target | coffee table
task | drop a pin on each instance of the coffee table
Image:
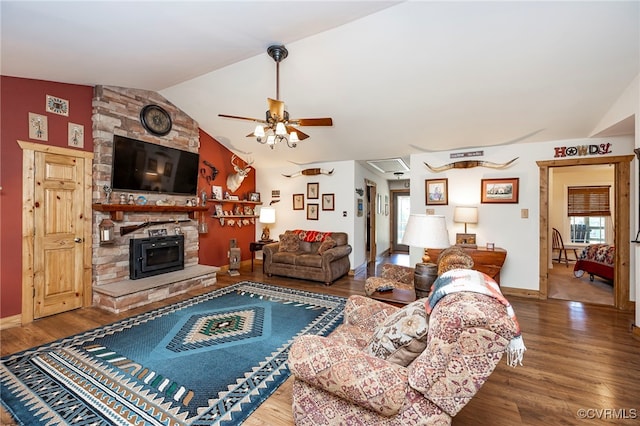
(397, 295)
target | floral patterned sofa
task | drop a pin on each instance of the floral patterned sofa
(400, 366)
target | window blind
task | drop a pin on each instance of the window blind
(589, 201)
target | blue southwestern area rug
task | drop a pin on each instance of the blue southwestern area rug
(210, 360)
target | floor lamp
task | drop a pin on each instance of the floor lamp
(426, 231)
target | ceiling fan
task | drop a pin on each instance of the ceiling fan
(277, 126)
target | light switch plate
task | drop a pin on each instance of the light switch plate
(524, 213)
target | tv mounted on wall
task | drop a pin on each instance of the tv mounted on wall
(148, 167)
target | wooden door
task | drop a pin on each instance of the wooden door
(58, 234)
(372, 250)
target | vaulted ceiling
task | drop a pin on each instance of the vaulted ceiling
(396, 77)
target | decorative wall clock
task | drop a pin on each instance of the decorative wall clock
(57, 105)
(155, 119)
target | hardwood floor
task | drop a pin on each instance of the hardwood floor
(564, 285)
(580, 357)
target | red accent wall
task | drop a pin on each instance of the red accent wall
(19, 97)
(215, 244)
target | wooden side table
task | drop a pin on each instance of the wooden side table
(257, 246)
(488, 261)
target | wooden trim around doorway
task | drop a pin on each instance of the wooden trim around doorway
(622, 176)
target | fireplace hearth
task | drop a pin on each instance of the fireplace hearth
(155, 256)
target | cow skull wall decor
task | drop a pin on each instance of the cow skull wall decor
(467, 164)
(234, 180)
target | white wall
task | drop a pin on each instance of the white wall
(346, 177)
(626, 105)
(502, 223)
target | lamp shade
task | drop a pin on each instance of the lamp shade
(426, 231)
(465, 214)
(267, 215)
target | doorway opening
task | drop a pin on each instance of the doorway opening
(400, 210)
(622, 178)
(370, 222)
(572, 191)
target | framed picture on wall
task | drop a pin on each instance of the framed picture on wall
(499, 190)
(313, 190)
(216, 192)
(328, 202)
(312, 211)
(437, 192)
(298, 201)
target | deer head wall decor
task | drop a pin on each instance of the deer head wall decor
(234, 180)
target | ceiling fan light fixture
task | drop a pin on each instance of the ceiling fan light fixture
(280, 129)
(277, 124)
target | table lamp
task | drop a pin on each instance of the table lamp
(267, 216)
(426, 231)
(466, 215)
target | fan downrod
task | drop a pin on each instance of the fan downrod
(277, 52)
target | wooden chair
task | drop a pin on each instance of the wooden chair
(558, 244)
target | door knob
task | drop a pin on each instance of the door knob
(77, 239)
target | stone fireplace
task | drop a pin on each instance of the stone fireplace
(116, 110)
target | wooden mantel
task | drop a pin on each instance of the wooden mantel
(117, 210)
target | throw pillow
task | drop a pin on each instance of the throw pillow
(327, 244)
(289, 242)
(453, 258)
(402, 336)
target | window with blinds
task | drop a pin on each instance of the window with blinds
(588, 201)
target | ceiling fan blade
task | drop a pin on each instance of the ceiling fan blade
(242, 118)
(301, 135)
(327, 121)
(276, 107)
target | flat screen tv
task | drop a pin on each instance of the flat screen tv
(147, 167)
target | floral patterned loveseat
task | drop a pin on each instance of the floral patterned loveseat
(399, 366)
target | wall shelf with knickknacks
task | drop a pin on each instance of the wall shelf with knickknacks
(117, 211)
(238, 213)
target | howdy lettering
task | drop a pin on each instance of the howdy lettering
(582, 150)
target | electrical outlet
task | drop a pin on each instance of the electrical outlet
(524, 213)
(431, 211)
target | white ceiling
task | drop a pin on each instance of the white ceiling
(396, 77)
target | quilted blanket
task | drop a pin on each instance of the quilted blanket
(596, 259)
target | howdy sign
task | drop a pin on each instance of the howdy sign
(581, 150)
